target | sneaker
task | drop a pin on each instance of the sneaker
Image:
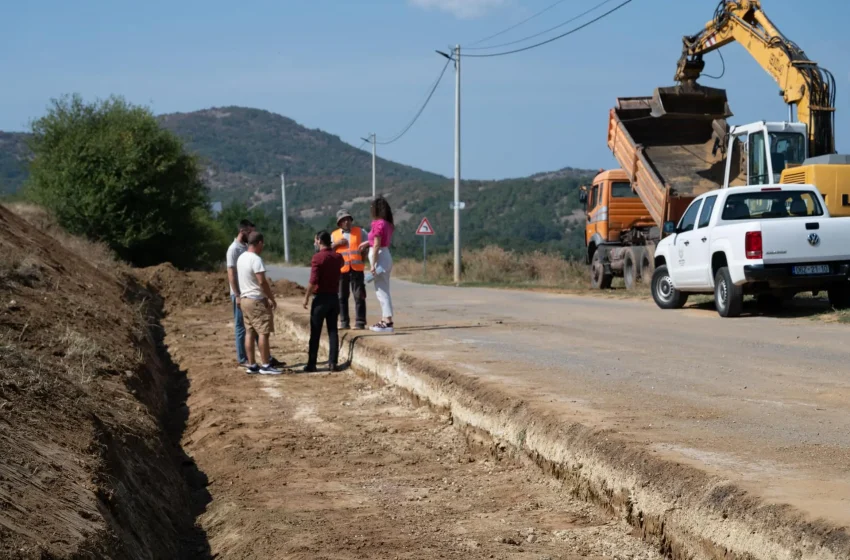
(268, 369)
(344, 327)
(252, 369)
(310, 369)
(274, 362)
(382, 327)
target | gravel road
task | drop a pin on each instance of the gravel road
(760, 400)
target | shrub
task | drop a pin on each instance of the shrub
(108, 172)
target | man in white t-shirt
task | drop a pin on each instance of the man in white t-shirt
(258, 305)
(239, 246)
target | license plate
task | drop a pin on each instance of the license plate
(809, 270)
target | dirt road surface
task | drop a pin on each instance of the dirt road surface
(759, 400)
(337, 466)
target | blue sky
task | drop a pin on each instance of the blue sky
(352, 67)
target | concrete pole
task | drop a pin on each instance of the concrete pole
(285, 225)
(457, 167)
(374, 154)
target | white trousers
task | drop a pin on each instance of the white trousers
(382, 281)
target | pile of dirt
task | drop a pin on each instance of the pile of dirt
(192, 289)
(85, 467)
(185, 289)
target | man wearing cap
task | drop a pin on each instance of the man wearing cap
(346, 241)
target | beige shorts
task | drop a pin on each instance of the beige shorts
(258, 316)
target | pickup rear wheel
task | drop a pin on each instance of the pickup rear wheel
(839, 297)
(599, 279)
(728, 298)
(665, 295)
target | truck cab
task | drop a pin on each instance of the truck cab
(612, 208)
(766, 150)
(777, 153)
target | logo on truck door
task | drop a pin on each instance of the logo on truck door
(814, 239)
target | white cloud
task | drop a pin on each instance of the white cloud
(464, 9)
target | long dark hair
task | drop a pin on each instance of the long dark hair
(381, 210)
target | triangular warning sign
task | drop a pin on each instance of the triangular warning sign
(425, 228)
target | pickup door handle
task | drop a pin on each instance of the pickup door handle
(687, 242)
(704, 239)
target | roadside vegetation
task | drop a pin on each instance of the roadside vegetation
(496, 267)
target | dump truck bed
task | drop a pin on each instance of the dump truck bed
(668, 158)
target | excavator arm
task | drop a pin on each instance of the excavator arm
(803, 83)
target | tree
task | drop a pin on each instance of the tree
(109, 172)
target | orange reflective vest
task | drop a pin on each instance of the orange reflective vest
(351, 252)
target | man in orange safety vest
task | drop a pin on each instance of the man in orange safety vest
(346, 241)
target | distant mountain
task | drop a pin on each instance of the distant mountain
(244, 151)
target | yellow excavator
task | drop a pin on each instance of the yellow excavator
(771, 152)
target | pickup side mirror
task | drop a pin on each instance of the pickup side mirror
(669, 227)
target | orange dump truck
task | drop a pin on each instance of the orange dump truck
(666, 146)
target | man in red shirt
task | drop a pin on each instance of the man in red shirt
(324, 283)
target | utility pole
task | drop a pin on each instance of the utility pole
(455, 56)
(457, 166)
(373, 139)
(285, 225)
(374, 155)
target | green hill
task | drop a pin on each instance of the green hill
(244, 151)
(13, 159)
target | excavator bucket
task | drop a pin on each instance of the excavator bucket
(690, 102)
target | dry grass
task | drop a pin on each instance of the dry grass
(493, 266)
(81, 354)
(97, 254)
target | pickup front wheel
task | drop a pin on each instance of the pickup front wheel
(663, 292)
(728, 298)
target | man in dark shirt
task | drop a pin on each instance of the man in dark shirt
(324, 282)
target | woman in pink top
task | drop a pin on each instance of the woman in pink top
(380, 259)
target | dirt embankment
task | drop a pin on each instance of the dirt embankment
(192, 289)
(86, 466)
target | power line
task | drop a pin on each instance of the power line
(560, 25)
(570, 32)
(511, 28)
(421, 109)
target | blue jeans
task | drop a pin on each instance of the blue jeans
(239, 324)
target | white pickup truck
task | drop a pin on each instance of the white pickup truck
(772, 241)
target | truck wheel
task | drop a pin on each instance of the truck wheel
(646, 268)
(728, 298)
(599, 279)
(839, 297)
(663, 292)
(631, 272)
